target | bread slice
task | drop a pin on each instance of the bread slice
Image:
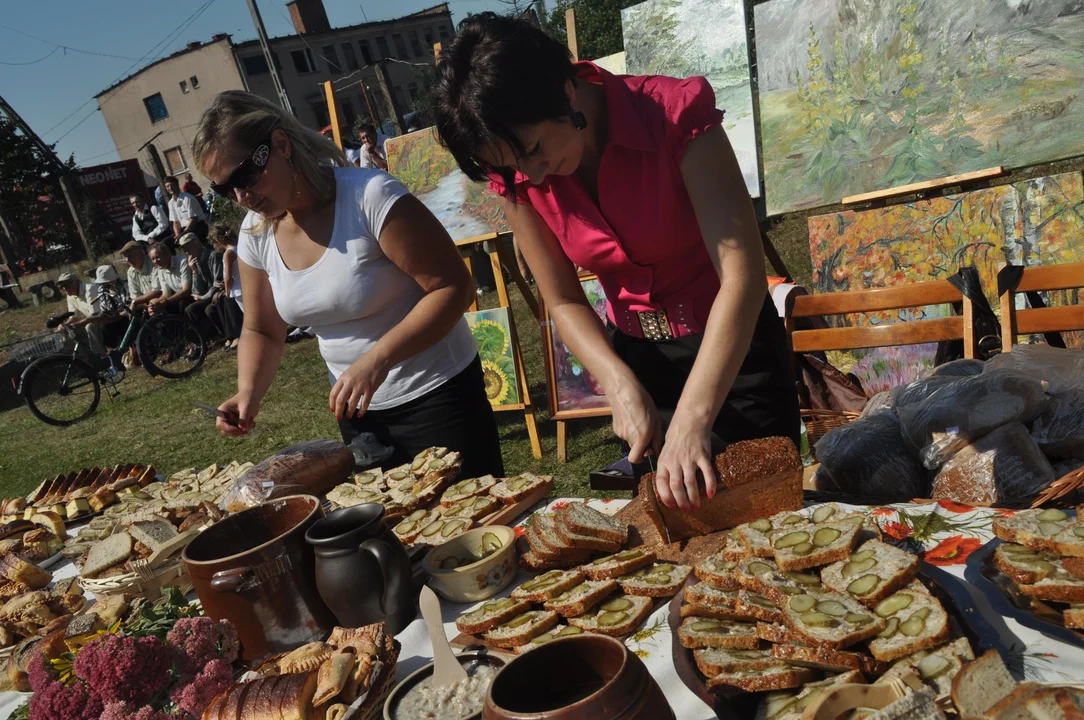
(581, 598)
(534, 561)
(474, 508)
(918, 705)
(777, 677)
(820, 658)
(813, 545)
(542, 537)
(718, 571)
(619, 564)
(521, 629)
(574, 539)
(657, 580)
(398, 476)
(734, 549)
(441, 530)
(936, 667)
(410, 527)
(1014, 705)
(713, 661)
(755, 535)
(617, 616)
(830, 620)
(871, 573)
(755, 606)
(704, 594)
(914, 621)
(582, 519)
(1054, 703)
(557, 631)
(548, 585)
(762, 575)
(1023, 565)
(348, 495)
(1072, 565)
(511, 490)
(705, 611)
(1060, 586)
(106, 554)
(491, 614)
(371, 479)
(467, 489)
(1073, 616)
(1049, 530)
(791, 704)
(702, 632)
(778, 633)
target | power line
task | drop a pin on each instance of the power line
(73, 127)
(64, 47)
(33, 62)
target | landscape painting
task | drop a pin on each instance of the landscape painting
(466, 209)
(493, 334)
(614, 63)
(863, 95)
(572, 389)
(1032, 222)
(682, 38)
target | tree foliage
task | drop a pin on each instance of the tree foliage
(598, 25)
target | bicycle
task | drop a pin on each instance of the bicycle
(63, 388)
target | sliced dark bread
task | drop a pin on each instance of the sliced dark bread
(556, 632)
(833, 661)
(617, 616)
(778, 677)
(657, 580)
(702, 632)
(830, 620)
(937, 667)
(713, 661)
(579, 599)
(548, 585)
(582, 519)
(756, 535)
(697, 610)
(621, 563)
(815, 544)
(1024, 565)
(1060, 586)
(704, 594)
(872, 572)
(914, 621)
(1051, 530)
(718, 571)
(514, 489)
(490, 614)
(570, 538)
(522, 628)
(534, 561)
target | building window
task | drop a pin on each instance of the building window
(254, 65)
(184, 87)
(415, 44)
(332, 59)
(382, 47)
(350, 57)
(156, 107)
(304, 62)
(175, 164)
(413, 87)
(429, 37)
(322, 119)
(443, 32)
(365, 54)
(400, 97)
(400, 46)
(348, 112)
(194, 81)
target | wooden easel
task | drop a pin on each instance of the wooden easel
(500, 260)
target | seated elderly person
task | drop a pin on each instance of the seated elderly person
(141, 287)
(205, 265)
(173, 279)
(84, 301)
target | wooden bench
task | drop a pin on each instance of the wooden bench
(1031, 321)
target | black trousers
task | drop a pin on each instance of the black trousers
(199, 313)
(456, 415)
(763, 401)
(229, 317)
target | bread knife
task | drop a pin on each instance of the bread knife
(650, 456)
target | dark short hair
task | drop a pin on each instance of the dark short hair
(497, 74)
(366, 128)
(170, 179)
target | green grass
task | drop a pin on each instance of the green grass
(154, 421)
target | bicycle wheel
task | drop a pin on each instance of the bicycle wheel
(171, 347)
(61, 390)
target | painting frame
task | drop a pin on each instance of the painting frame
(549, 336)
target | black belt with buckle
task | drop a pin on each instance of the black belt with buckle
(655, 325)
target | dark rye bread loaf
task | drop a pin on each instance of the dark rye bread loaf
(756, 478)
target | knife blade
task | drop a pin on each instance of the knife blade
(649, 455)
(230, 418)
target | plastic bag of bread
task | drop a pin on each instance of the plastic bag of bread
(1059, 428)
(310, 468)
(915, 392)
(877, 403)
(1001, 466)
(964, 367)
(870, 458)
(964, 410)
(1060, 368)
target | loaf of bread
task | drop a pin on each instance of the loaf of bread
(1001, 466)
(1059, 429)
(311, 467)
(755, 478)
(869, 458)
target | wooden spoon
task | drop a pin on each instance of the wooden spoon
(842, 699)
(446, 667)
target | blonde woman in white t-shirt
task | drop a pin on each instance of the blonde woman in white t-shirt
(351, 254)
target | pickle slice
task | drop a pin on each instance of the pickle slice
(923, 612)
(823, 513)
(864, 585)
(706, 626)
(498, 605)
(862, 555)
(932, 666)
(568, 630)
(398, 475)
(616, 605)
(793, 520)
(449, 563)
(609, 619)
(469, 487)
(826, 536)
(433, 528)
(1043, 566)
(405, 527)
(539, 583)
(852, 568)
(802, 548)
(759, 568)
(791, 539)
(563, 597)
(658, 580)
(602, 560)
(491, 543)
(890, 629)
(519, 620)
(452, 527)
(893, 604)
(802, 578)
(788, 590)
(436, 464)
(761, 601)
(417, 515)
(913, 626)
(857, 618)
(801, 603)
(1052, 515)
(663, 568)
(637, 573)
(543, 638)
(1049, 528)
(1079, 531)
(516, 484)
(418, 462)
(818, 619)
(762, 525)
(628, 555)
(1013, 549)
(832, 607)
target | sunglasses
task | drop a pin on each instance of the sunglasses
(247, 173)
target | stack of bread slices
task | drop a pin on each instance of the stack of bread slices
(1044, 554)
(800, 601)
(571, 536)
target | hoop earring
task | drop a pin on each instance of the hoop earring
(579, 121)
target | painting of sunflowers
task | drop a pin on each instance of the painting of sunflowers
(494, 337)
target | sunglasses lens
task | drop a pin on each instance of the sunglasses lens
(246, 176)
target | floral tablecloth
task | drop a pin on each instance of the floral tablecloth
(944, 534)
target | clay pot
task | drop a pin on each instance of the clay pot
(580, 677)
(362, 569)
(255, 570)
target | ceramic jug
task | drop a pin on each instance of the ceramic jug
(362, 569)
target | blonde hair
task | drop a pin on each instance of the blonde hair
(239, 119)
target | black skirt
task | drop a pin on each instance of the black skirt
(763, 401)
(456, 415)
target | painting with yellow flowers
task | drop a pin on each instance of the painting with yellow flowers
(1033, 222)
(493, 334)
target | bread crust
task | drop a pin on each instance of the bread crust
(745, 637)
(611, 567)
(964, 676)
(758, 659)
(764, 680)
(538, 625)
(713, 570)
(830, 660)
(575, 608)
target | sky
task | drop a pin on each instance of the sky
(56, 95)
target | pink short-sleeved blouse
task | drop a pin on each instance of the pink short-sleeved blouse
(642, 238)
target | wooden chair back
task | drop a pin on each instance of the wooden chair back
(956, 327)
(1041, 320)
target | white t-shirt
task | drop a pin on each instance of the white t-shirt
(363, 158)
(354, 294)
(173, 280)
(185, 207)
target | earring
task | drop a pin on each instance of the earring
(578, 120)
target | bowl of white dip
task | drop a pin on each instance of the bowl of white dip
(416, 699)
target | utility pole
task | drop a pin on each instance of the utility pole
(385, 89)
(261, 33)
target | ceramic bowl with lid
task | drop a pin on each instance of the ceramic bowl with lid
(475, 565)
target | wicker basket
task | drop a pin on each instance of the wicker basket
(819, 422)
(373, 708)
(1062, 491)
(147, 584)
